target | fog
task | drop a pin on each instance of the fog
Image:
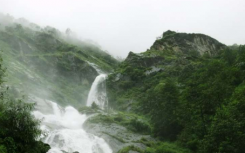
(120, 26)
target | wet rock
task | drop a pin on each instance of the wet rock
(116, 135)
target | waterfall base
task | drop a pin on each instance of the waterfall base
(63, 131)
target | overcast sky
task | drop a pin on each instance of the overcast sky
(120, 26)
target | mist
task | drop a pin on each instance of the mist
(123, 26)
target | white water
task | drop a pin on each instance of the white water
(64, 131)
(99, 71)
(96, 95)
(63, 126)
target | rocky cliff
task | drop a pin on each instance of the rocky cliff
(185, 43)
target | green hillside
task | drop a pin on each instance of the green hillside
(191, 89)
(46, 63)
(186, 94)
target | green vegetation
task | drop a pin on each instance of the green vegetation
(194, 100)
(165, 147)
(128, 148)
(94, 106)
(88, 110)
(49, 64)
(156, 148)
(18, 128)
(188, 90)
(133, 122)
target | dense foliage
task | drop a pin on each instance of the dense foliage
(18, 128)
(195, 100)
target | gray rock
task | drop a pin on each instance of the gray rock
(116, 135)
(185, 42)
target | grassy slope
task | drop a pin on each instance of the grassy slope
(46, 65)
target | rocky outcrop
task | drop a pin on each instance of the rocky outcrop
(117, 136)
(141, 60)
(186, 43)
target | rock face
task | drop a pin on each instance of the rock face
(117, 136)
(173, 43)
(184, 43)
(143, 60)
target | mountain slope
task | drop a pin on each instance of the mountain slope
(190, 87)
(167, 56)
(44, 62)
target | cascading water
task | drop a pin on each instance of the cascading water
(64, 132)
(63, 126)
(96, 94)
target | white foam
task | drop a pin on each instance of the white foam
(65, 132)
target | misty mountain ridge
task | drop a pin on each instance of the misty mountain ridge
(47, 63)
(33, 51)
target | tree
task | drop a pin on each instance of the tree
(227, 132)
(163, 110)
(19, 130)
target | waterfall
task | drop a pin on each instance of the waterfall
(97, 92)
(64, 132)
(62, 127)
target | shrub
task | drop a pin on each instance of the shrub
(19, 130)
(166, 148)
(3, 149)
(130, 148)
(139, 126)
(94, 106)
